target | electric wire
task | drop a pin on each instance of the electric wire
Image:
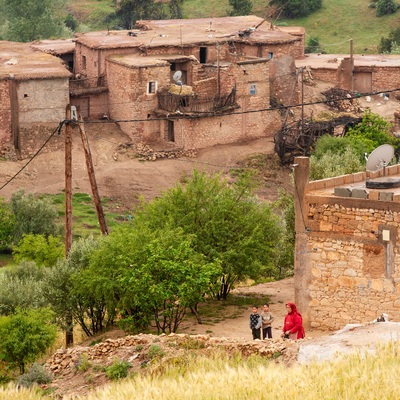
(58, 129)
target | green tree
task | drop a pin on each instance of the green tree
(131, 11)
(174, 275)
(7, 222)
(44, 251)
(387, 45)
(296, 8)
(73, 295)
(25, 336)
(33, 215)
(240, 7)
(175, 9)
(21, 288)
(229, 224)
(30, 20)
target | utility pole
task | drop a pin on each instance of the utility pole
(352, 64)
(69, 333)
(92, 178)
(68, 181)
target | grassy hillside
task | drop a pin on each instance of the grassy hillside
(333, 25)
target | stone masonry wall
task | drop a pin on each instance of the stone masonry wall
(352, 279)
(348, 251)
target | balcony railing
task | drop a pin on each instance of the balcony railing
(194, 104)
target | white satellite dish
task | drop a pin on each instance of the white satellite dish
(380, 157)
(177, 77)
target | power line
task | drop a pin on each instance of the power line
(58, 129)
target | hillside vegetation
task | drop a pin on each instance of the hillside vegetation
(333, 25)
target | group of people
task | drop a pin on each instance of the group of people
(262, 323)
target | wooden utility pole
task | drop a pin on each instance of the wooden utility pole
(69, 333)
(352, 64)
(68, 181)
(92, 178)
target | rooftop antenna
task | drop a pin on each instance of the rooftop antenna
(377, 160)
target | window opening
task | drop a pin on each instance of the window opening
(151, 87)
(203, 55)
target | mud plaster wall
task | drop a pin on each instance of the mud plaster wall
(129, 98)
(5, 118)
(205, 132)
(42, 101)
(355, 275)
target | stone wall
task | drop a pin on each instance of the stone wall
(347, 261)
(5, 119)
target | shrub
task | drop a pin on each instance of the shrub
(36, 374)
(83, 363)
(155, 351)
(44, 251)
(385, 7)
(118, 370)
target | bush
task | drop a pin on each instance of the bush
(83, 363)
(385, 7)
(297, 8)
(36, 374)
(118, 370)
(44, 251)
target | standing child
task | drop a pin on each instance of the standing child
(255, 323)
(267, 319)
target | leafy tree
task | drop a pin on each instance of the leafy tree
(131, 11)
(25, 336)
(71, 294)
(335, 156)
(335, 164)
(33, 215)
(21, 288)
(228, 224)
(386, 7)
(7, 222)
(240, 7)
(175, 9)
(297, 8)
(174, 275)
(44, 251)
(313, 46)
(388, 44)
(30, 20)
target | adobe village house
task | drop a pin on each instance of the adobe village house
(194, 84)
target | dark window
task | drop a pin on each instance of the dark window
(170, 132)
(203, 55)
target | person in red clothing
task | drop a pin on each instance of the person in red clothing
(293, 323)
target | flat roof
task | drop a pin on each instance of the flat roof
(183, 32)
(21, 61)
(55, 47)
(332, 61)
(134, 60)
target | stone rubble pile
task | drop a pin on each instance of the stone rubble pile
(144, 152)
(129, 348)
(343, 100)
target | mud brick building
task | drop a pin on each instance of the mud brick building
(347, 260)
(362, 73)
(34, 91)
(188, 83)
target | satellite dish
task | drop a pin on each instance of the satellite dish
(380, 157)
(177, 77)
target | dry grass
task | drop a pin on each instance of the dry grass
(359, 376)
